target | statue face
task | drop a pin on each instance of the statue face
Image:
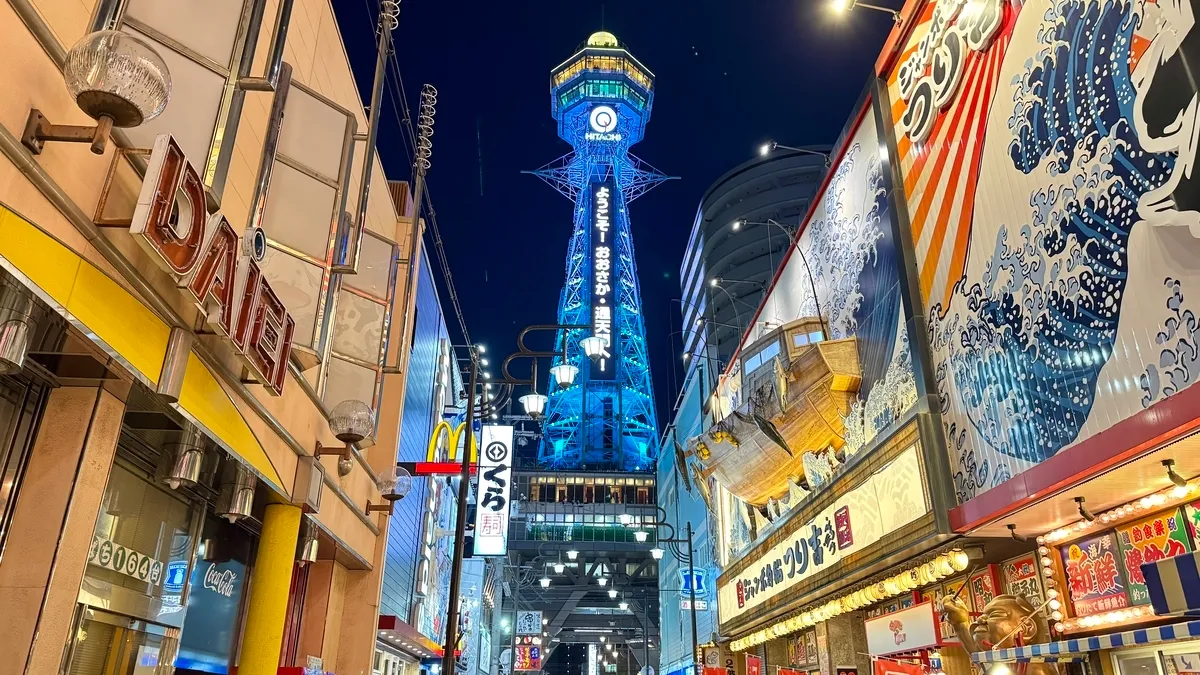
(1001, 619)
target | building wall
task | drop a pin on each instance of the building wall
(683, 506)
(404, 530)
(779, 187)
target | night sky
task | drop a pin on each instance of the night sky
(730, 74)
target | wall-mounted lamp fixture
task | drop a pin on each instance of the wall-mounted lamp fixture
(117, 79)
(237, 491)
(350, 421)
(185, 460)
(307, 547)
(395, 485)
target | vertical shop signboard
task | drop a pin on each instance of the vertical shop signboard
(753, 665)
(1021, 579)
(983, 586)
(797, 652)
(810, 645)
(529, 657)
(529, 623)
(494, 491)
(1158, 537)
(1094, 576)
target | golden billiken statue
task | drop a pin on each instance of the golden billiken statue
(997, 627)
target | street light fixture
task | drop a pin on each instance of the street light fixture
(641, 536)
(769, 146)
(116, 79)
(564, 374)
(603, 581)
(656, 553)
(545, 582)
(534, 404)
(847, 5)
(612, 593)
(593, 347)
(559, 567)
(572, 554)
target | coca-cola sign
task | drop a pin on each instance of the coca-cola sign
(222, 582)
(204, 256)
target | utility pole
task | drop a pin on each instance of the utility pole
(460, 525)
(692, 593)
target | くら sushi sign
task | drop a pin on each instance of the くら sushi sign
(203, 254)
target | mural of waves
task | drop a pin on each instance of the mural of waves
(1020, 349)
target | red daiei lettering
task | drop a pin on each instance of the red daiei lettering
(202, 253)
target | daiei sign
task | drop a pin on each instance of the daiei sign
(204, 255)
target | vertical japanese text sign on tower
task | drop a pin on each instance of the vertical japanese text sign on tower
(604, 274)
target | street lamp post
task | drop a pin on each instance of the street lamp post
(690, 559)
(792, 234)
(772, 145)
(488, 405)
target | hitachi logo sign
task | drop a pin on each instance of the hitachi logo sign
(597, 136)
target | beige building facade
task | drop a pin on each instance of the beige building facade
(174, 497)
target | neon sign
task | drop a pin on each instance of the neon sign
(603, 276)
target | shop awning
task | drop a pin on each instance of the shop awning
(1067, 649)
(1174, 584)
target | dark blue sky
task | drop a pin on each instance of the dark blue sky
(729, 75)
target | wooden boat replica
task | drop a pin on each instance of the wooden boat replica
(785, 398)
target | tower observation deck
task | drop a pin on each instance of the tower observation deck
(601, 98)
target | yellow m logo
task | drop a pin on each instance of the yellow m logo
(452, 435)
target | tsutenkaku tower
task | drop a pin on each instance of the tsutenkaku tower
(601, 98)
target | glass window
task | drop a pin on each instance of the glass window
(20, 409)
(140, 521)
(108, 644)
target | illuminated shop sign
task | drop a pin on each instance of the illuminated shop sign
(907, 630)
(603, 121)
(603, 275)
(204, 255)
(931, 76)
(494, 491)
(885, 502)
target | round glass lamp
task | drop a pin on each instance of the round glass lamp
(534, 404)
(117, 75)
(351, 421)
(545, 582)
(565, 374)
(593, 347)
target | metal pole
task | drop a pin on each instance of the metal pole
(512, 641)
(692, 593)
(460, 526)
(646, 632)
(387, 21)
(807, 268)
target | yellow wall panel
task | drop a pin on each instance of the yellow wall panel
(203, 398)
(46, 262)
(120, 320)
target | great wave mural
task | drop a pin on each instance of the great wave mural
(1060, 293)
(848, 243)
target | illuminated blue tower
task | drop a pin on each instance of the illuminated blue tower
(601, 98)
